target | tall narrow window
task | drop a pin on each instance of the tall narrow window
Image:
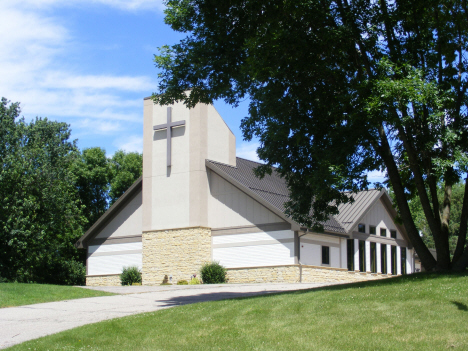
(350, 252)
(372, 230)
(362, 255)
(383, 232)
(325, 255)
(394, 260)
(393, 233)
(383, 258)
(403, 260)
(361, 228)
(373, 257)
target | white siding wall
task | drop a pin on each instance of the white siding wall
(254, 249)
(311, 250)
(378, 216)
(110, 259)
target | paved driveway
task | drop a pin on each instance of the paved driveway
(19, 324)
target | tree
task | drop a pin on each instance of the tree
(92, 172)
(417, 212)
(40, 218)
(125, 170)
(337, 89)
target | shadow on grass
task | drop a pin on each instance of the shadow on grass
(216, 296)
(461, 306)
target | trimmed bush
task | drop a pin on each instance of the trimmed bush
(194, 281)
(130, 275)
(213, 273)
(182, 282)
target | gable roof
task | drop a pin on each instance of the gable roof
(271, 190)
(110, 213)
(351, 214)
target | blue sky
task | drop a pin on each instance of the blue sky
(89, 63)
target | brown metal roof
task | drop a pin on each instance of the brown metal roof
(351, 213)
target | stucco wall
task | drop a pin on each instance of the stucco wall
(230, 207)
(127, 222)
(178, 253)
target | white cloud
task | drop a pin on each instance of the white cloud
(132, 143)
(131, 5)
(376, 176)
(64, 80)
(248, 151)
(33, 48)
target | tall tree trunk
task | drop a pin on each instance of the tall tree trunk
(427, 260)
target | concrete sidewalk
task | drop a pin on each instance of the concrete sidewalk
(19, 324)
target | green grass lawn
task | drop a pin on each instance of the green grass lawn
(418, 312)
(18, 294)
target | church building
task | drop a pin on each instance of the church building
(197, 202)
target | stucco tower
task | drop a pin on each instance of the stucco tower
(176, 143)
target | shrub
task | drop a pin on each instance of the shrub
(130, 275)
(194, 281)
(182, 282)
(213, 273)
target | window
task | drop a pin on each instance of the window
(325, 255)
(372, 230)
(403, 260)
(373, 257)
(361, 228)
(362, 255)
(350, 252)
(394, 259)
(383, 232)
(393, 233)
(383, 258)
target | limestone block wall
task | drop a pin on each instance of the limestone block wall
(318, 274)
(292, 274)
(277, 274)
(103, 280)
(177, 252)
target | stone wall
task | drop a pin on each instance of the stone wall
(103, 280)
(292, 274)
(277, 274)
(178, 253)
(318, 274)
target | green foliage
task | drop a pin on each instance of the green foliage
(130, 275)
(40, 216)
(337, 90)
(454, 226)
(92, 172)
(194, 281)
(182, 282)
(126, 168)
(213, 273)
